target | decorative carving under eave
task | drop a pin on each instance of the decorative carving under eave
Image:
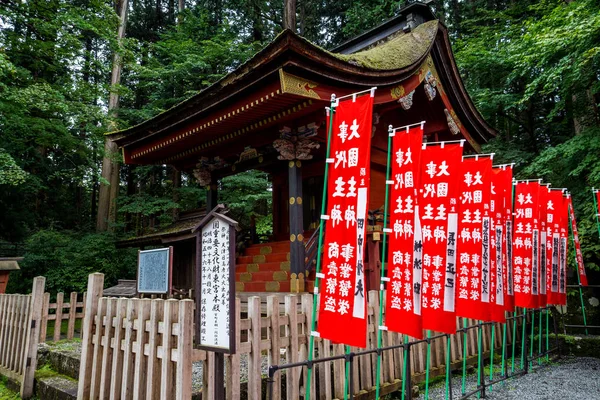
(430, 85)
(205, 166)
(452, 122)
(296, 145)
(407, 101)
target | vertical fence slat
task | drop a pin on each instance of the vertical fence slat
(3, 301)
(254, 358)
(274, 335)
(98, 354)
(139, 379)
(11, 332)
(84, 310)
(170, 316)
(128, 354)
(72, 313)
(154, 369)
(59, 314)
(107, 351)
(15, 332)
(24, 328)
(307, 306)
(117, 364)
(291, 352)
(183, 389)
(95, 285)
(233, 362)
(44, 321)
(33, 334)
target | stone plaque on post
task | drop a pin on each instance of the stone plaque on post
(155, 271)
(215, 283)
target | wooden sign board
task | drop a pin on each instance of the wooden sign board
(215, 284)
(155, 270)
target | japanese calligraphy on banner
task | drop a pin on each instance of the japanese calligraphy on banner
(403, 303)
(342, 308)
(544, 193)
(554, 221)
(438, 210)
(526, 244)
(563, 250)
(474, 273)
(579, 256)
(501, 183)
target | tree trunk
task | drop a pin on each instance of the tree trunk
(289, 15)
(110, 166)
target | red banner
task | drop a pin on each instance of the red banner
(501, 192)
(440, 167)
(403, 303)
(579, 256)
(554, 220)
(597, 194)
(342, 310)
(526, 244)
(544, 197)
(474, 273)
(563, 250)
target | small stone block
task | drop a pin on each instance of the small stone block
(246, 277)
(272, 286)
(285, 266)
(280, 276)
(252, 268)
(239, 286)
(259, 259)
(266, 250)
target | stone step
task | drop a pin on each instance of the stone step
(262, 286)
(277, 276)
(269, 248)
(62, 357)
(263, 267)
(262, 258)
(57, 387)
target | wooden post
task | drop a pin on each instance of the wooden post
(211, 196)
(254, 358)
(117, 365)
(183, 388)
(72, 315)
(296, 218)
(171, 314)
(233, 363)
(153, 372)
(274, 337)
(33, 334)
(94, 292)
(59, 312)
(291, 353)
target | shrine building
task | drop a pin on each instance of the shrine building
(269, 115)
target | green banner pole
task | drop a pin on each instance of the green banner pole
(596, 210)
(404, 364)
(347, 381)
(577, 272)
(311, 340)
(532, 338)
(504, 350)
(540, 338)
(547, 339)
(523, 338)
(514, 340)
(492, 345)
(384, 258)
(464, 366)
(479, 366)
(427, 366)
(448, 366)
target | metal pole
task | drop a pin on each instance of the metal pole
(479, 366)
(547, 333)
(348, 371)
(311, 339)
(448, 368)
(504, 350)
(540, 338)
(384, 258)
(427, 365)
(577, 272)
(492, 355)
(514, 340)
(523, 341)
(532, 338)
(464, 367)
(596, 210)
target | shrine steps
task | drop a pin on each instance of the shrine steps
(264, 268)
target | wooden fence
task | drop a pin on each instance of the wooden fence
(135, 348)
(20, 317)
(53, 314)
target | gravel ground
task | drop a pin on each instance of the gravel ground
(570, 378)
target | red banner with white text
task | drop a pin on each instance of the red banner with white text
(543, 265)
(474, 273)
(579, 256)
(438, 195)
(405, 262)
(342, 310)
(526, 244)
(563, 250)
(498, 294)
(554, 220)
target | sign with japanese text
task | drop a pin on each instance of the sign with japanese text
(526, 244)
(501, 183)
(215, 305)
(554, 221)
(563, 250)
(475, 223)
(154, 271)
(544, 194)
(405, 261)
(438, 211)
(342, 308)
(579, 256)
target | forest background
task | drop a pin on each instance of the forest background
(532, 68)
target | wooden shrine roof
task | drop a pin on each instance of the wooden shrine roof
(290, 79)
(10, 263)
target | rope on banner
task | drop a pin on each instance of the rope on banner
(311, 340)
(391, 131)
(576, 263)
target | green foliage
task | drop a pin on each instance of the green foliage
(10, 172)
(67, 258)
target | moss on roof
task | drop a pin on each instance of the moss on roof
(398, 52)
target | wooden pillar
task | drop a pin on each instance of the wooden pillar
(211, 196)
(296, 226)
